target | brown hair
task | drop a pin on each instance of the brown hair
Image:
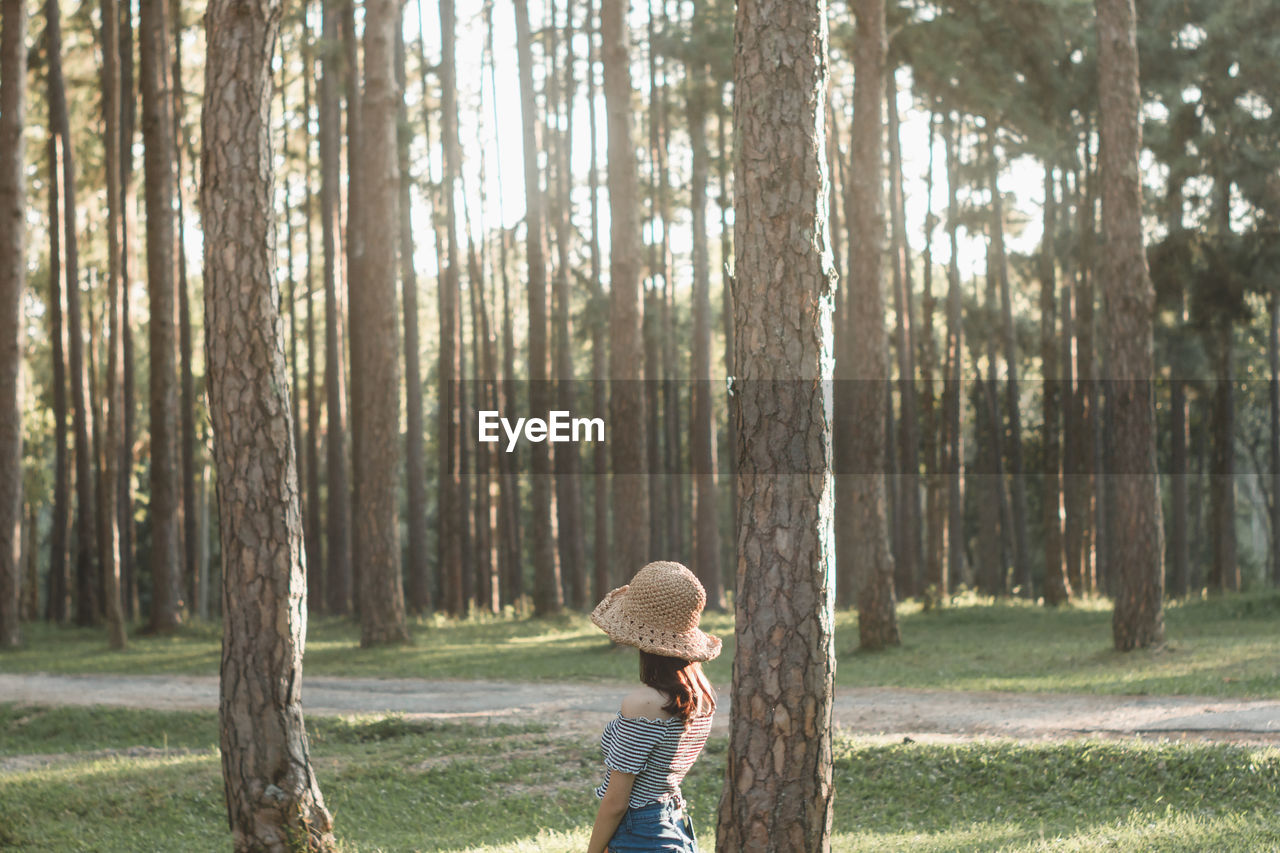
(684, 683)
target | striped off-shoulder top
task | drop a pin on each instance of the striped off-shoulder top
(658, 752)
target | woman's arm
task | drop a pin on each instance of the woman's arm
(612, 808)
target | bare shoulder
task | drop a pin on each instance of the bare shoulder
(645, 702)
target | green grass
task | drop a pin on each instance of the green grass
(1228, 647)
(400, 785)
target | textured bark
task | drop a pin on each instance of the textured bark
(907, 556)
(936, 581)
(705, 472)
(375, 454)
(86, 564)
(158, 163)
(1137, 553)
(778, 788)
(601, 574)
(417, 582)
(273, 799)
(627, 404)
(862, 534)
(1017, 474)
(111, 556)
(1056, 591)
(568, 462)
(13, 95)
(338, 509)
(952, 399)
(57, 603)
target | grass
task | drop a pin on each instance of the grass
(1224, 647)
(400, 785)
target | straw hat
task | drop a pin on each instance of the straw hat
(658, 612)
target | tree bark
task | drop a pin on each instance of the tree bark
(158, 163)
(59, 595)
(1017, 472)
(273, 800)
(936, 581)
(338, 580)
(862, 534)
(375, 457)
(187, 417)
(601, 574)
(705, 473)
(1138, 554)
(628, 444)
(128, 191)
(13, 200)
(778, 788)
(1056, 590)
(112, 557)
(314, 540)
(86, 564)
(952, 395)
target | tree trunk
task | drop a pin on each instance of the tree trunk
(862, 536)
(726, 307)
(1224, 569)
(1056, 590)
(29, 608)
(568, 463)
(187, 416)
(375, 460)
(273, 800)
(703, 441)
(111, 555)
(1273, 364)
(86, 569)
(778, 788)
(314, 540)
(338, 581)
(1017, 472)
(128, 191)
(952, 395)
(936, 581)
(13, 95)
(601, 574)
(158, 163)
(1081, 452)
(417, 579)
(1137, 555)
(628, 444)
(59, 595)
(1179, 583)
(547, 595)
(907, 573)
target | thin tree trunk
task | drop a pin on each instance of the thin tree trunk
(907, 571)
(1273, 365)
(601, 574)
(86, 564)
(1224, 568)
(128, 122)
(778, 791)
(376, 461)
(59, 595)
(313, 539)
(568, 463)
(1017, 473)
(29, 609)
(187, 415)
(626, 313)
(338, 580)
(354, 246)
(111, 555)
(13, 95)
(706, 476)
(158, 164)
(1179, 553)
(727, 309)
(862, 534)
(417, 579)
(936, 580)
(273, 800)
(1056, 590)
(1137, 556)
(952, 397)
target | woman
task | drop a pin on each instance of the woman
(660, 731)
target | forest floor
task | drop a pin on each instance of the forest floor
(884, 712)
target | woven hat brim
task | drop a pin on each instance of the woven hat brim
(613, 616)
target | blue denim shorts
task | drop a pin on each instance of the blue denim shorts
(656, 828)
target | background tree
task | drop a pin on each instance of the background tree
(13, 85)
(778, 789)
(273, 800)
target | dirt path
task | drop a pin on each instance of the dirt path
(887, 712)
